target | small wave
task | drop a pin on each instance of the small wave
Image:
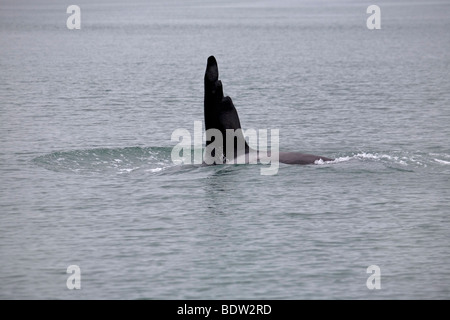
(395, 159)
(105, 160)
(442, 155)
(442, 161)
(366, 156)
(336, 160)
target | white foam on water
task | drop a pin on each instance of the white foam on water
(366, 156)
(337, 160)
(127, 170)
(442, 161)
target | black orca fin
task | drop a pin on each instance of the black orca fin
(219, 111)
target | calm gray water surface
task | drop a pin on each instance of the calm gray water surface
(86, 118)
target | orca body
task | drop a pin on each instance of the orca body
(220, 114)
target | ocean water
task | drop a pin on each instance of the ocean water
(86, 176)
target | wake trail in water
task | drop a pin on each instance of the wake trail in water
(394, 158)
(158, 160)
